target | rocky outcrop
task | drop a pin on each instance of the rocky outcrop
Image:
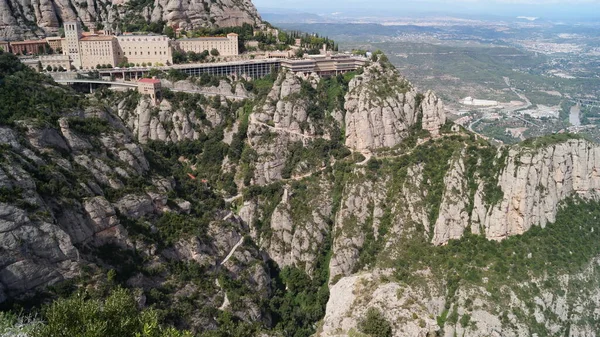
(17, 16)
(221, 13)
(380, 109)
(34, 253)
(433, 113)
(416, 309)
(534, 181)
(135, 206)
(411, 309)
(453, 217)
(180, 120)
(360, 211)
(296, 238)
(279, 122)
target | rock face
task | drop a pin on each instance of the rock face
(297, 239)
(359, 212)
(175, 123)
(453, 216)
(281, 121)
(411, 309)
(433, 113)
(534, 181)
(352, 296)
(380, 109)
(17, 15)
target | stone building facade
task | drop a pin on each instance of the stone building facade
(29, 47)
(70, 45)
(55, 61)
(98, 50)
(89, 50)
(149, 49)
(227, 46)
(151, 87)
(55, 42)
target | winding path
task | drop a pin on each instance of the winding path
(232, 251)
(254, 121)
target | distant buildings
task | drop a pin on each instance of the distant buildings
(55, 42)
(478, 102)
(88, 50)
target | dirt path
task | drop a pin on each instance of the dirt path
(232, 251)
(254, 121)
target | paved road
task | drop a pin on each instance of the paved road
(521, 96)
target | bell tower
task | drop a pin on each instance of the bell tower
(72, 36)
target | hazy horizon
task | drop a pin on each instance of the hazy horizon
(544, 9)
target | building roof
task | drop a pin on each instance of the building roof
(97, 38)
(205, 38)
(129, 34)
(149, 80)
(53, 38)
(28, 42)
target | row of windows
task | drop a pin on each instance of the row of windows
(97, 53)
(143, 47)
(142, 53)
(145, 39)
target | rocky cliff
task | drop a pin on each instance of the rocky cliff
(27, 19)
(269, 206)
(380, 109)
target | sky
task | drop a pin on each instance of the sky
(554, 9)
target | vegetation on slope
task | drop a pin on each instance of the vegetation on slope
(25, 93)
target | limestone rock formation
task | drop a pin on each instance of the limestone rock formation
(380, 109)
(534, 181)
(360, 211)
(279, 122)
(46, 16)
(297, 239)
(433, 113)
(412, 309)
(453, 216)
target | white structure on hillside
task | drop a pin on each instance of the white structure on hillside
(478, 102)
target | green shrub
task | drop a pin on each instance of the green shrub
(374, 324)
(117, 315)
